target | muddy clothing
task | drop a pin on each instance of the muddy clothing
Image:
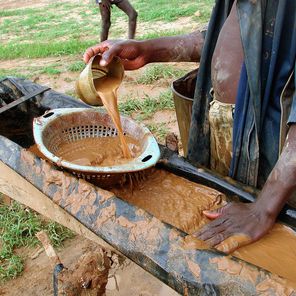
(221, 125)
(266, 99)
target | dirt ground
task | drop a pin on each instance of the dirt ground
(37, 276)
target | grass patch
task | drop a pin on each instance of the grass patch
(13, 72)
(77, 66)
(147, 106)
(157, 72)
(18, 226)
(164, 10)
(69, 28)
(50, 71)
(41, 50)
(29, 72)
(158, 130)
(158, 34)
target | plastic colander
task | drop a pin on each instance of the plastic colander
(68, 125)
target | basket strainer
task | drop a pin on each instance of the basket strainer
(69, 125)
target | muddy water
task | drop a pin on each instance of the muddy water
(180, 203)
(103, 151)
(107, 88)
(173, 199)
(275, 252)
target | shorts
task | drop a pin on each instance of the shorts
(221, 126)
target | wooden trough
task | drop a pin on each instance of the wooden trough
(95, 213)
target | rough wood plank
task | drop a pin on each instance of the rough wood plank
(155, 246)
(15, 186)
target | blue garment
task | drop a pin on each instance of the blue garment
(268, 33)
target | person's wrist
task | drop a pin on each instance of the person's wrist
(264, 206)
(147, 50)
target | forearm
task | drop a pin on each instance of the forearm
(282, 180)
(182, 48)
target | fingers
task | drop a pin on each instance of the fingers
(216, 213)
(94, 50)
(210, 227)
(212, 214)
(232, 243)
(218, 238)
(90, 52)
(211, 230)
(108, 55)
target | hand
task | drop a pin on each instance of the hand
(235, 225)
(132, 53)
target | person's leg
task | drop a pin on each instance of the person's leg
(105, 8)
(125, 6)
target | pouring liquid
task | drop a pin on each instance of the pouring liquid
(107, 88)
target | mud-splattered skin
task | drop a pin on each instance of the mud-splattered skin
(246, 222)
(256, 219)
(135, 54)
(227, 60)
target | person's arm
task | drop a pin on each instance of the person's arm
(238, 224)
(135, 54)
(183, 48)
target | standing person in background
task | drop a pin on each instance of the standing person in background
(125, 6)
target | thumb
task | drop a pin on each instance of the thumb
(212, 214)
(215, 213)
(108, 55)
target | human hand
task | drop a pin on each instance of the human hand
(131, 52)
(235, 225)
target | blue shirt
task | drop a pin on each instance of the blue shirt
(264, 98)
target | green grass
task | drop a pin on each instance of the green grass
(157, 72)
(16, 73)
(50, 71)
(165, 10)
(18, 226)
(29, 72)
(76, 66)
(161, 33)
(68, 28)
(39, 50)
(146, 107)
(158, 130)
(34, 11)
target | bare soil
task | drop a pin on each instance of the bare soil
(14, 4)
(37, 276)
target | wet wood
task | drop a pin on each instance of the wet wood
(21, 190)
(49, 250)
(150, 243)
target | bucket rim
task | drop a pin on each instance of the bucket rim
(178, 94)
